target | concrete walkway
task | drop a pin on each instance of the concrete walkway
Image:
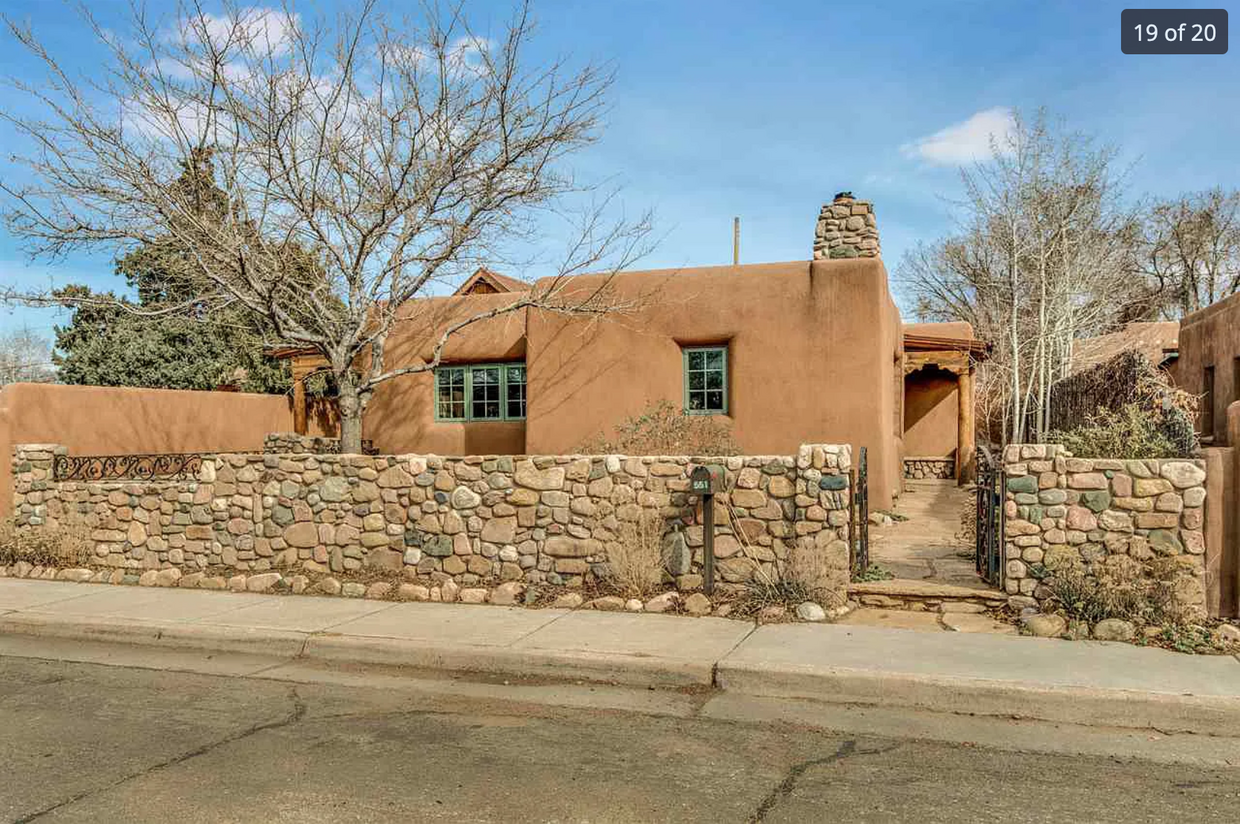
(1083, 682)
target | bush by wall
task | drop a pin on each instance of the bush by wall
(1124, 404)
(663, 429)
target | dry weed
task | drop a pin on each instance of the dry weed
(635, 560)
(62, 546)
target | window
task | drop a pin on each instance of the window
(514, 392)
(706, 380)
(482, 392)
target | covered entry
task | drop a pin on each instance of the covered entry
(939, 364)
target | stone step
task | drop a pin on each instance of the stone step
(903, 593)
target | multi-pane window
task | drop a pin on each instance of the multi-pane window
(482, 392)
(514, 391)
(450, 394)
(706, 380)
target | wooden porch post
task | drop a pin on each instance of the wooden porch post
(299, 398)
(965, 434)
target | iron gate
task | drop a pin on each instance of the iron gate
(859, 520)
(989, 524)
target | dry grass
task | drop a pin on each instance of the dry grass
(1145, 594)
(809, 568)
(62, 546)
(635, 560)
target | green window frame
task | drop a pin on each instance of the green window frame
(480, 392)
(706, 380)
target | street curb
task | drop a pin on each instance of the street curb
(363, 650)
(1091, 707)
(629, 670)
(1165, 712)
(281, 643)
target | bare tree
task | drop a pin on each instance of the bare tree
(389, 159)
(25, 358)
(1190, 251)
(1041, 258)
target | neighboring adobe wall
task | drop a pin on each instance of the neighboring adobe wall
(1063, 510)
(1211, 337)
(814, 353)
(468, 520)
(103, 420)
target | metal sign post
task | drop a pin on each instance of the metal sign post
(706, 481)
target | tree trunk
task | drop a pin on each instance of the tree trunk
(350, 414)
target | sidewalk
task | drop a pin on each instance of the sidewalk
(1084, 682)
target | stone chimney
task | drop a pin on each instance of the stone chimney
(846, 229)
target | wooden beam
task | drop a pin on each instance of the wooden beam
(300, 371)
(954, 362)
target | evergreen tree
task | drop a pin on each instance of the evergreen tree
(192, 344)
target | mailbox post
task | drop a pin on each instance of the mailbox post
(706, 481)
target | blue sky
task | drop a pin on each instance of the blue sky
(764, 110)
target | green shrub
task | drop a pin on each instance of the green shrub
(1129, 432)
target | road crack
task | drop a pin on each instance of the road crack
(297, 713)
(847, 750)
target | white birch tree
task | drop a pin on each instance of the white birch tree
(1042, 258)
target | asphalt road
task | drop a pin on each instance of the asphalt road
(85, 742)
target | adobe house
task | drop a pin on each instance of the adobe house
(788, 353)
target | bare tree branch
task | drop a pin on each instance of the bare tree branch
(388, 158)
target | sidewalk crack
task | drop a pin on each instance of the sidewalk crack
(714, 668)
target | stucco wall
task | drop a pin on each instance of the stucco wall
(401, 416)
(814, 355)
(467, 520)
(931, 413)
(1211, 337)
(104, 420)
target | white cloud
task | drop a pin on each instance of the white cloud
(963, 142)
(266, 28)
(268, 32)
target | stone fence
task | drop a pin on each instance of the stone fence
(279, 443)
(1060, 509)
(471, 520)
(916, 469)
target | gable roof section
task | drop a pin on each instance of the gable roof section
(484, 281)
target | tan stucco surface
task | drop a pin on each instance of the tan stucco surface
(401, 416)
(814, 355)
(941, 329)
(931, 409)
(104, 420)
(1211, 337)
